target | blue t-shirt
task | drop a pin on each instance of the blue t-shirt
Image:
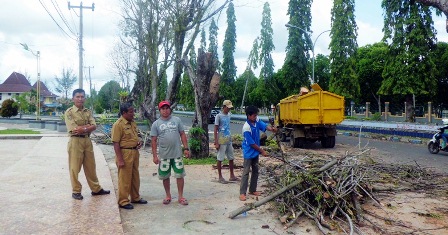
(251, 135)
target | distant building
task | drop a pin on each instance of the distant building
(17, 84)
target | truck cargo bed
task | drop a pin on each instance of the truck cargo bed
(316, 107)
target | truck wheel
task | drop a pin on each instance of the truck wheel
(283, 137)
(328, 142)
(300, 142)
(323, 142)
(331, 141)
(293, 141)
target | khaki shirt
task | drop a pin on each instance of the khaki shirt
(125, 132)
(78, 117)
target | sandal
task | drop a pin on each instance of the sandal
(234, 179)
(256, 193)
(183, 201)
(166, 201)
(243, 197)
(222, 181)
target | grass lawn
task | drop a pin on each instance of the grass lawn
(17, 131)
(204, 161)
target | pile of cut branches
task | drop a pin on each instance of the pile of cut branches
(330, 190)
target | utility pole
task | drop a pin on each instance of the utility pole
(90, 82)
(25, 46)
(80, 38)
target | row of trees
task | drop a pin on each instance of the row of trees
(155, 35)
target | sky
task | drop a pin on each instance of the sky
(30, 22)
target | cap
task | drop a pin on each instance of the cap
(227, 103)
(164, 102)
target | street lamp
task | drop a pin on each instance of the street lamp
(37, 54)
(314, 43)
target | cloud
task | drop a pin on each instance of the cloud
(25, 21)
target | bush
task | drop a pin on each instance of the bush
(195, 138)
(9, 108)
(99, 109)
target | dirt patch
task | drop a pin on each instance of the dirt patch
(211, 203)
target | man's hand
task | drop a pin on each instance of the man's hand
(155, 159)
(217, 146)
(140, 144)
(120, 162)
(187, 153)
(264, 153)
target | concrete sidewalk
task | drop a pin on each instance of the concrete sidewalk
(35, 189)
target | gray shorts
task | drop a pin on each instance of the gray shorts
(225, 150)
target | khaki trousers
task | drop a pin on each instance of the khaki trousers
(129, 177)
(80, 154)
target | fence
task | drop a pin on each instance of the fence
(423, 117)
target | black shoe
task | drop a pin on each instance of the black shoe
(77, 196)
(101, 192)
(141, 201)
(127, 206)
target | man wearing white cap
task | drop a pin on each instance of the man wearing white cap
(223, 140)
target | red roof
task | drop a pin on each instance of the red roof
(44, 90)
(17, 83)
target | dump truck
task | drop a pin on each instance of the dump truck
(310, 116)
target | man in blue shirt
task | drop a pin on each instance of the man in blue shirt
(251, 151)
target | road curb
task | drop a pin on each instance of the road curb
(391, 138)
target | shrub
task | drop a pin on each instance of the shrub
(194, 142)
(9, 108)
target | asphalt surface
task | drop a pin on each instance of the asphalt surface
(402, 152)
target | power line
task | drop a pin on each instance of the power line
(55, 20)
(58, 10)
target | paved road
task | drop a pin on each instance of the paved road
(393, 152)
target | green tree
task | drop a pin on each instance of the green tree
(65, 83)
(213, 40)
(343, 47)
(9, 108)
(322, 72)
(266, 88)
(252, 63)
(248, 77)
(409, 68)
(266, 44)
(186, 92)
(370, 66)
(109, 97)
(294, 71)
(23, 102)
(440, 57)
(228, 63)
(203, 40)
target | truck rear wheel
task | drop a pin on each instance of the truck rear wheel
(328, 142)
(283, 137)
(298, 142)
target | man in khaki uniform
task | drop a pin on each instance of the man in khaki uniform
(126, 146)
(80, 123)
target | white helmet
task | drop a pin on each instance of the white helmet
(445, 121)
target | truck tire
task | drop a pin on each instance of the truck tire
(293, 141)
(283, 137)
(331, 141)
(298, 142)
(328, 142)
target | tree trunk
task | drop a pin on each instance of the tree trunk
(410, 117)
(205, 85)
